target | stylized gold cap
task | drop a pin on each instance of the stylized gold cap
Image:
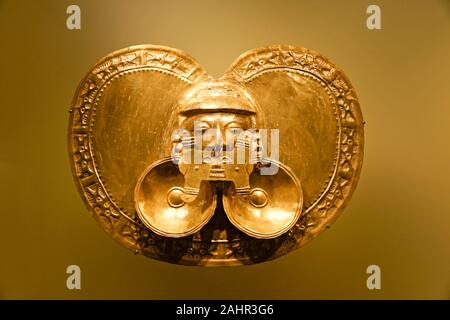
(215, 96)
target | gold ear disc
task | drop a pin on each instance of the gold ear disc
(254, 214)
(182, 213)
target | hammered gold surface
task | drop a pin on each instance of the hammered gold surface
(128, 104)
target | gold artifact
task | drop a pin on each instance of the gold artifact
(188, 169)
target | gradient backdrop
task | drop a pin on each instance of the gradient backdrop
(399, 216)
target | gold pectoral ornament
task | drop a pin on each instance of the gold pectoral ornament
(188, 169)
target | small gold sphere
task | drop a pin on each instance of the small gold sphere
(174, 197)
(258, 198)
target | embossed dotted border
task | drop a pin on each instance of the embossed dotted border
(108, 214)
(351, 140)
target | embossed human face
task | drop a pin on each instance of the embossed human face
(219, 130)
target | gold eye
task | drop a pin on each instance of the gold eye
(203, 126)
(233, 125)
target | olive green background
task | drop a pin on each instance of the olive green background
(399, 216)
